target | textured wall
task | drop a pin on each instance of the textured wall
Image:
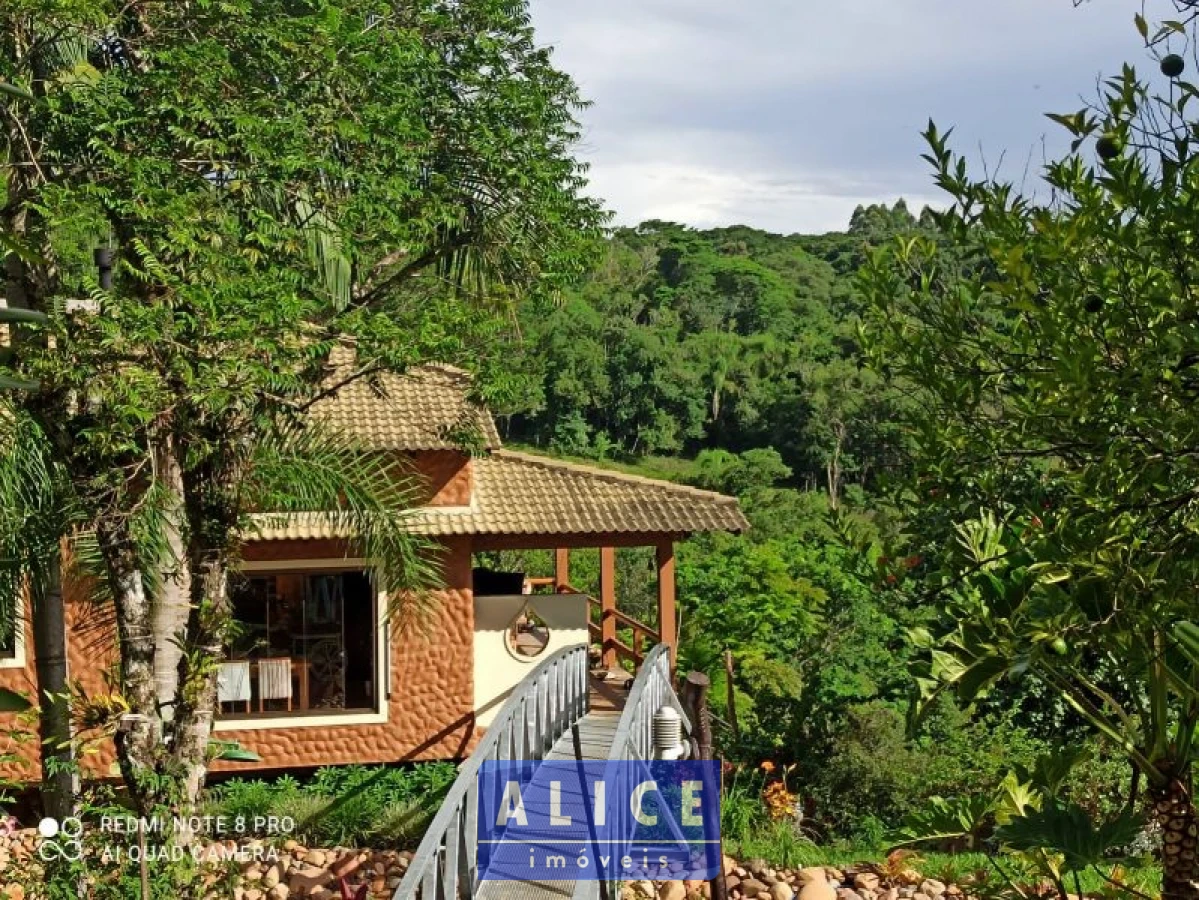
(448, 475)
(91, 649)
(430, 714)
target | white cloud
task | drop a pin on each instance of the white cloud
(786, 114)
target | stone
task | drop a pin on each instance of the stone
(291, 845)
(346, 866)
(889, 894)
(836, 876)
(378, 886)
(812, 873)
(757, 866)
(817, 890)
(253, 894)
(848, 894)
(780, 890)
(273, 875)
(14, 891)
(671, 890)
(930, 887)
(729, 865)
(751, 887)
(907, 892)
(316, 858)
(865, 881)
(731, 881)
(278, 892)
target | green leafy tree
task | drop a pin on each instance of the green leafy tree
(275, 181)
(1054, 421)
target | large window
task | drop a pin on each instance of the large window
(305, 644)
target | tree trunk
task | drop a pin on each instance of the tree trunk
(1175, 811)
(60, 775)
(197, 698)
(139, 738)
(170, 609)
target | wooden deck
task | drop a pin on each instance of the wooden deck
(591, 738)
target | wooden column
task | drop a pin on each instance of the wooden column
(608, 605)
(667, 616)
(561, 568)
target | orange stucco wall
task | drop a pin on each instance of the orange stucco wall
(448, 475)
(431, 710)
(429, 714)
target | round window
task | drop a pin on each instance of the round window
(528, 635)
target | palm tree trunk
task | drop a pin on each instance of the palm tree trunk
(60, 775)
(1175, 811)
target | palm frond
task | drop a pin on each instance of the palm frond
(361, 493)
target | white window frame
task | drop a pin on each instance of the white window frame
(382, 656)
(16, 660)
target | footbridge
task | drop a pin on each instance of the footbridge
(560, 711)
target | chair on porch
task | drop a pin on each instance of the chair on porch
(233, 683)
(274, 681)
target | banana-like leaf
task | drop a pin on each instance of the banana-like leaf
(232, 751)
(1067, 829)
(1187, 636)
(13, 384)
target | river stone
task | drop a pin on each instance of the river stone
(780, 890)
(751, 887)
(817, 890)
(932, 888)
(812, 873)
(865, 881)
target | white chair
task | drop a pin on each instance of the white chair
(274, 680)
(233, 683)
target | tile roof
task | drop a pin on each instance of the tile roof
(520, 493)
(426, 408)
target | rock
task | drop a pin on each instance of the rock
(14, 891)
(741, 872)
(306, 879)
(346, 866)
(780, 890)
(907, 892)
(757, 866)
(291, 845)
(278, 892)
(848, 894)
(731, 881)
(932, 888)
(378, 886)
(671, 890)
(865, 881)
(253, 894)
(729, 865)
(272, 876)
(889, 894)
(817, 890)
(812, 873)
(751, 887)
(836, 876)
(316, 858)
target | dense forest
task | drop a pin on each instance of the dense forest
(732, 359)
(684, 341)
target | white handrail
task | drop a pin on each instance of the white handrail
(541, 709)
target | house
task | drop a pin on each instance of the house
(318, 675)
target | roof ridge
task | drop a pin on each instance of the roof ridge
(551, 462)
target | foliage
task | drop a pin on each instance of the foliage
(1053, 473)
(343, 805)
(276, 183)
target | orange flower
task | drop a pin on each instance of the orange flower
(767, 766)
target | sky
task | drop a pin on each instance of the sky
(787, 114)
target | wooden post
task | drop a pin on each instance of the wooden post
(561, 568)
(729, 696)
(667, 615)
(695, 701)
(608, 605)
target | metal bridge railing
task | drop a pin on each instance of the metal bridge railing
(541, 709)
(634, 740)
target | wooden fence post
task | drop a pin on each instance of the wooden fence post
(695, 701)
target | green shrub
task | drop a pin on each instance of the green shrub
(343, 805)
